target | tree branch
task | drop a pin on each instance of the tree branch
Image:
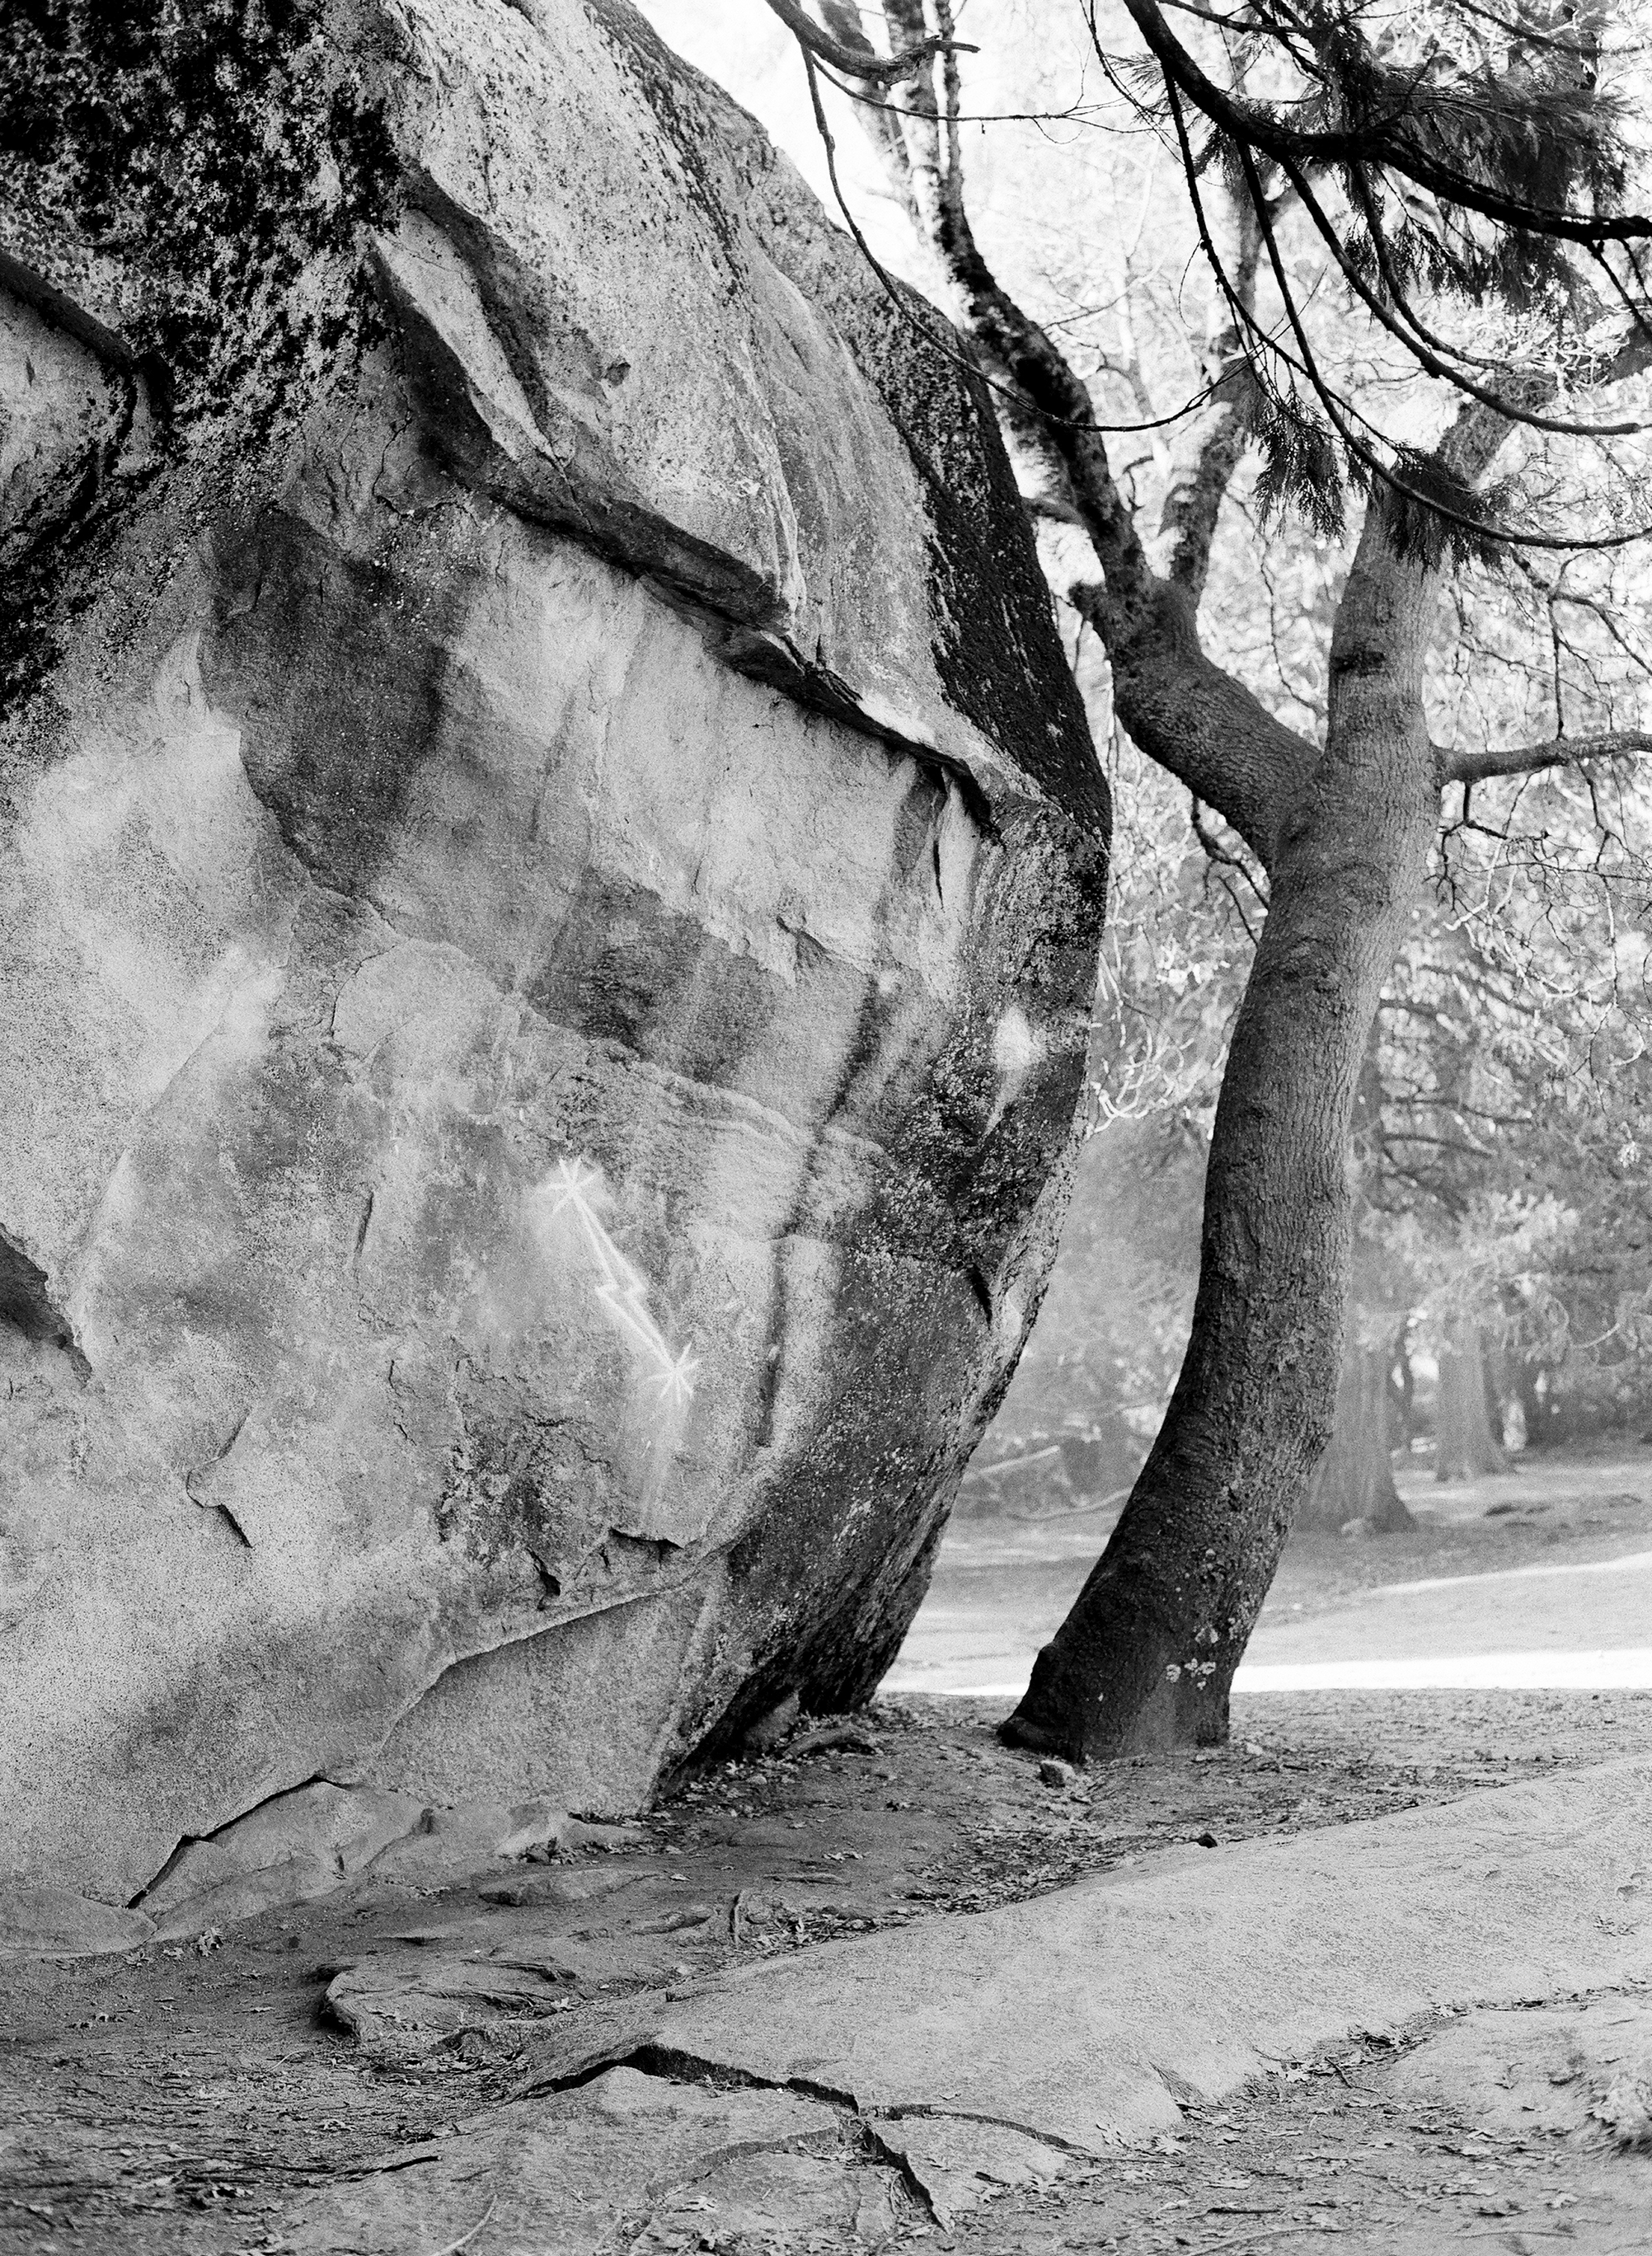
(1420, 342)
(861, 60)
(1065, 415)
(1197, 490)
(1176, 705)
(1389, 140)
(882, 124)
(1199, 722)
(1527, 760)
(1183, 711)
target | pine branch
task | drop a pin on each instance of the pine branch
(1527, 759)
(1404, 326)
(1390, 135)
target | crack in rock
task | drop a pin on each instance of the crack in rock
(27, 1307)
(930, 2179)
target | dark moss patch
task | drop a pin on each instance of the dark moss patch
(997, 649)
(339, 679)
(218, 152)
(626, 969)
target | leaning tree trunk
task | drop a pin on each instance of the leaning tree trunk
(1465, 1446)
(1146, 1657)
(1355, 1477)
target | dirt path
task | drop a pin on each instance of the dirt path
(1541, 1576)
(205, 2096)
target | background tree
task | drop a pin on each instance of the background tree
(1354, 1481)
(1517, 1080)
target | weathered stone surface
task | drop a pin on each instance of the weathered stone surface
(1580, 2070)
(550, 894)
(753, 2169)
(1095, 2013)
(960, 2164)
(55, 1922)
(339, 1828)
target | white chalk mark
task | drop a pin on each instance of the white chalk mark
(623, 1290)
(1017, 1048)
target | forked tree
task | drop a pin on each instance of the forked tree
(1483, 169)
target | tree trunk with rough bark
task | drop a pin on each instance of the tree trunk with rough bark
(1147, 1655)
(1465, 1446)
(1355, 1478)
(1342, 833)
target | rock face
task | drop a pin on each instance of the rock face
(551, 886)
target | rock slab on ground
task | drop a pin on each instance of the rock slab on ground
(1094, 2013)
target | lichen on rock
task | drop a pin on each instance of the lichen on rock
(552, 876)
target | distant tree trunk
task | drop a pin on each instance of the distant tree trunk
(1402, 1394)
(1355, 1479)
(1465, 1446)
(1534, 1383)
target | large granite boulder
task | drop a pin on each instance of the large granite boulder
(551, 876)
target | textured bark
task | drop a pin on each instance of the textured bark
(1343, 832)
(1465, 1446)
(1355, 1476)
(1147, 1655)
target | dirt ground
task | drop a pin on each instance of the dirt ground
(1005, 1578)
(187, 2096)
(206, 2096)
(1357, 2153)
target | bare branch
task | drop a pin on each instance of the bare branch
(1064, 415)
(882, 124)
(1197, 490)
(1185, 712)
(861, 60)
(1526, 759)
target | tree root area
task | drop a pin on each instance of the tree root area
(367, 2072)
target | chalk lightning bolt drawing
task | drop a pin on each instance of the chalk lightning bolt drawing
(623, 1291)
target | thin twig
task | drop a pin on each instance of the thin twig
(1268, 2232)
(464, 2240)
